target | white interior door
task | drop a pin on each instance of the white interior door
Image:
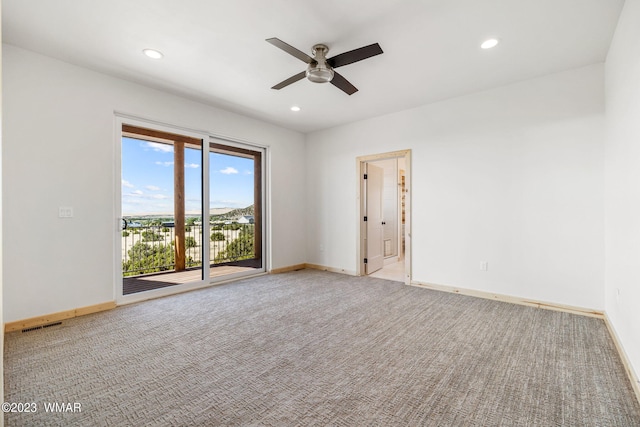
(374, 214)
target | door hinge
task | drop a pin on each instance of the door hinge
(365, 218)
(365, 176)
(365, 260)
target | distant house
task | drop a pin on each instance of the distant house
(247, 219)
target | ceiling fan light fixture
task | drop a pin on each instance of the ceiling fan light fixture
(318, 70)
(320, 74)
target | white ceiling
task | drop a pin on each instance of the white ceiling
(215, 51)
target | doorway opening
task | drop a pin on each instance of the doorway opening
(384, 216)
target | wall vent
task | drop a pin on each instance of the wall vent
(388, 251)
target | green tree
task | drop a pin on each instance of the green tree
(217, 236)
(241, 248)
(145, 258)
(125, 233)
(151, 236)
(190, 242)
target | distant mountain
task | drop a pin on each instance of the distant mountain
(227, 213)
(234, 214)
(219, 211)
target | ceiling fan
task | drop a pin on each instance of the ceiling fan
(321, 69)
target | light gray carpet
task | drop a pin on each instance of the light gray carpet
(316, 348)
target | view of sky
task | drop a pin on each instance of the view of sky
(147, 179)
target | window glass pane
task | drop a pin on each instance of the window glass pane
(236, 237)
(152, 198)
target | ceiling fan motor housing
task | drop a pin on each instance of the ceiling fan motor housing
(318, 71)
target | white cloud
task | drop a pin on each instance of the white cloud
(159, 196)
(127, 184)
(152, 188)
(248, 172)
(155, 146)
(166, 164)
(229, 170)
(137, 192)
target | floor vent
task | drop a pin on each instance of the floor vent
(51, 324)
(35, 328)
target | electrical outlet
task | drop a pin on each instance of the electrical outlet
(65, 212)
(484, 266)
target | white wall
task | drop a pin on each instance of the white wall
(59, 151)
(513, 176)
(622, 182)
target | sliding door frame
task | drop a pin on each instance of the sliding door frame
(207, 139)
(260, 187)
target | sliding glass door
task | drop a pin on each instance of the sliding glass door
(191, 210)
(161, 210)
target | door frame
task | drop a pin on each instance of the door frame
(262, 214)
(360, 209)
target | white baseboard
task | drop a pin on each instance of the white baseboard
(331, 269)
(287, 269)
(57, 317)
(514, 300)
(313, 267)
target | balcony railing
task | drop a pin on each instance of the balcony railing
(151, 249)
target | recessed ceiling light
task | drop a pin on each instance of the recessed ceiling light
(488, 44)
(295, 108)
(152, 53)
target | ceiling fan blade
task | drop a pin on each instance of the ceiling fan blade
(290, 80)
(291, 50)
(355, 55)
(343, 84)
